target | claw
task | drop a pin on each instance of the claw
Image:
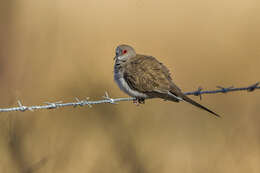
(135, 101)
(141, 100)
(138, 101)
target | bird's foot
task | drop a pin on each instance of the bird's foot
(138, 101)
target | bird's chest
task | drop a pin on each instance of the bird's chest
(123, 85)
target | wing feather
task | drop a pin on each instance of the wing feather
(147, 75)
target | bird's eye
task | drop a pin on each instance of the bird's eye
(124, 51)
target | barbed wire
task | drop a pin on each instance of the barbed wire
(107, 99)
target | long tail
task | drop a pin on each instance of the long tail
(187, 99)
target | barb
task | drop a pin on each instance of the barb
(198, 92)
(107, 99)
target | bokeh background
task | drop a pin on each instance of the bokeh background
(58, 50)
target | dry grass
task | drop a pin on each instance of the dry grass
(57, 50)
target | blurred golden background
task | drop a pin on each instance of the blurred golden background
(59, 50)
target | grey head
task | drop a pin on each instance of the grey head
(124, 52)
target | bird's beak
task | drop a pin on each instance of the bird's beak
(115, 57)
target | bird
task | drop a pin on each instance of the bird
(142, 76)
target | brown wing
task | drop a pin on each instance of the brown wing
(146, 74)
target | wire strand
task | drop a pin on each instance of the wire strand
(107, 99)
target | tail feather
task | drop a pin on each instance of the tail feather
(189, 100)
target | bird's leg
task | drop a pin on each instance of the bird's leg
(138, 101)
(135, 101)
(141, 100)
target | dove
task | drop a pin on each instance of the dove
(142, 76)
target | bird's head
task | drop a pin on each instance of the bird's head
(124, 52)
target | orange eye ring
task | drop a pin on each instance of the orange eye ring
(124, 51)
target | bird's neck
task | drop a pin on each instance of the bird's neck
(118, 65)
